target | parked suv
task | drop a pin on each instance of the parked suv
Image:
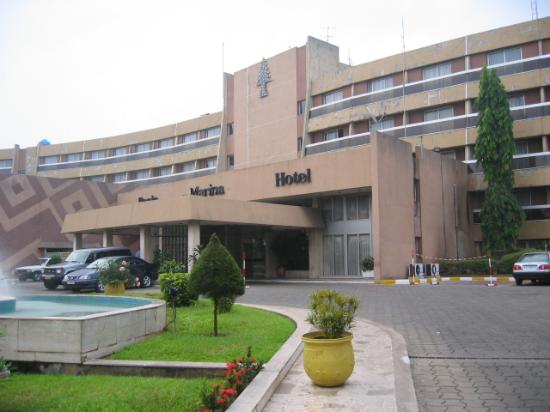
(78, 259)
(33, 271)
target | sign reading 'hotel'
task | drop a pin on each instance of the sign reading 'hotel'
(282, 179)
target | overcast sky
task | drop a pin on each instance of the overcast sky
(80, 69)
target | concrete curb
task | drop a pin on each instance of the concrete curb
(444, 279)
(154, 368)
(257, 394)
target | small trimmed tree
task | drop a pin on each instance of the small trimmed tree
(216, 275)
(501, 214)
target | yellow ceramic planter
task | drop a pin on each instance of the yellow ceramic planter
(328, 362)
(117, 288)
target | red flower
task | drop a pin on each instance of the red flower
(231, 366)
(229, 392)
(238, 383)
(206, 410)
(240, 360)
(252, 359)
(220, 401)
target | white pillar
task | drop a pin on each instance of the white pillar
(193, 240)
(107, 238)
(545, 146)
(77, 241)
(468, 152)
(146, 243)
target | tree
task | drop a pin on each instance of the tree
(501, 214)
(216, 275)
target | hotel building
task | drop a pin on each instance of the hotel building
(332, 162)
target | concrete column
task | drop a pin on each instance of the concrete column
(107, 238)
(542, 95)
(193, 240)
(545, 146)
(270, 259)
(315, 246)
(468, 154)
(146, 243)
(77, 241)
(468, 106)
(351, 129)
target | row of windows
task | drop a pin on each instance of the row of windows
(340, 208)
(137, 148)
(430, 72)
(157, 172)
(5, 164)
(439, 113)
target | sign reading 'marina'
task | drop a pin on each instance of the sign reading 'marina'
(282, 179)
(208, 191)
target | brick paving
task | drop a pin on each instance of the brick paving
(472, 348)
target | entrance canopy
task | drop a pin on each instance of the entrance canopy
(192, 208)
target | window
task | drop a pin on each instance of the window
(5, 163)
(504, 56)
(380, 84)
(120, 151)
(334, 134)
(97, 154)
(416, 196)
(230, 162)
(332, 209)
(333, 255)
(522, 147)
(48, 160)
(230, 129)
(165, 171)
(74, 157)
(333, 97)
(119, 177)
(188, 167)
(524, 197)
(301, 107)
(439, 113)
(358, 249)
(96, 178)
(381, 124)
(516, 101)
(212, 162)
(213, 132)
(437, 70)
(142, 174)
(143, 147)
(448, 153)
(357, 207)
(166, 143)
(189, 137)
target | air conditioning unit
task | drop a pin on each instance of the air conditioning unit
(433, 269)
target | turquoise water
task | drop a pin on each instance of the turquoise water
(70, 306)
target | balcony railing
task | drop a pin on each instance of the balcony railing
(504, 69)
(171, 177)
(429, 127)
(535, 212)
(524, 161)
(182, 147)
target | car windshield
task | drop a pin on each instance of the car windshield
(534, 257)
(40, 262)
(99, 264)
(79, 256)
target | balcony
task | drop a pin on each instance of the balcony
(505, 69)
(336, 144)
(525, 161)
(535, 212)
(132, 156)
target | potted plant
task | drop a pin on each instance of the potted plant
(115, 277)
(4, 368)
(368, 267)
(328, 353)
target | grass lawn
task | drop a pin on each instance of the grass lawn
(193, 340)
(98, 393)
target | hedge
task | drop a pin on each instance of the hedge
(464, 267)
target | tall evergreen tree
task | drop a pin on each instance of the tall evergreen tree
(501, 214)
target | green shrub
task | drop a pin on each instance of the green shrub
(171, 266)
(112, 272)
(331, 312)
(216, 275)
(506, 262)
(368, 263)
(55, 259)
(465, 267)
(180, 281)
(226, 304)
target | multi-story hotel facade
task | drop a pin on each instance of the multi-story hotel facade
(329, 161)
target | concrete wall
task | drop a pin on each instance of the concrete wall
(392, 206)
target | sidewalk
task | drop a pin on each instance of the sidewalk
(381, 380)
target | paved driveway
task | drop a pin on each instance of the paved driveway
(472, 347)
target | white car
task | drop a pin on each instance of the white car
(534, 266)
(33, 272)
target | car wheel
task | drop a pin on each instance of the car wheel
(37, 276)
(100, 287)
(50, 285)
(146, 281)
(519, 282)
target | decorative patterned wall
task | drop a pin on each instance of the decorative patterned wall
(32, 210)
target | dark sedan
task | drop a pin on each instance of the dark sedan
(88, 278)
